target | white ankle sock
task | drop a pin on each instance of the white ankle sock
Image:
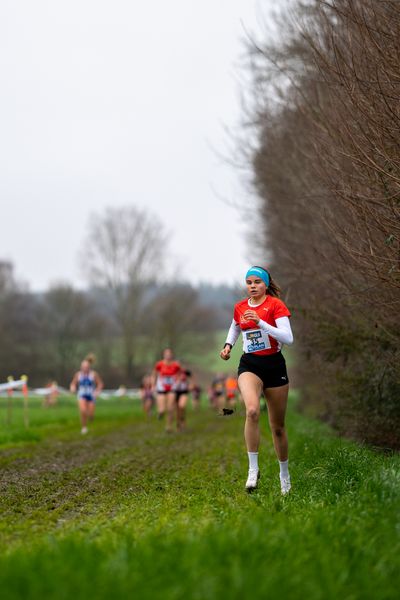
(284, 468)
(253, 460)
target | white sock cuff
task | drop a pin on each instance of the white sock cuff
(284, 467)
(253, 460)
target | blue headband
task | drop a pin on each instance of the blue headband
(259, 272)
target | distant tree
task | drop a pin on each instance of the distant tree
(177, 313)
(124, 250)
(71, 323)
(19, 326)
(7, 279)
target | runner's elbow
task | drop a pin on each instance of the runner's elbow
(290, 339)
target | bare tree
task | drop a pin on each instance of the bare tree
(21, 334)
(326, 166)
(124, 250)
(7, 279)
(177, 315)
(70, 324)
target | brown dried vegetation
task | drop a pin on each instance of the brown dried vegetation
(327, 169)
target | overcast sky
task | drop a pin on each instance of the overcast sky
(120, 102)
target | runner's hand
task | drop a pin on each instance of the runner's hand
(225, 354)
(251, 315)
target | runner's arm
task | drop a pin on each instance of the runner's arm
(233, 333)
(154, 375)
(282, 333)
(73, 383)
(99, 383)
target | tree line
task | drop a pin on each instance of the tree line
(128, 314)
(325, 113)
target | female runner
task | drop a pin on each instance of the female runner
(195, 390)
(146, 394)
(263, 320)
(87, 384)
(164, 377)
(182, 387)
(231, 387)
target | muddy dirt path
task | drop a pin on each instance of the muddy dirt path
(46, 485)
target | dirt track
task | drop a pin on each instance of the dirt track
(44, 485)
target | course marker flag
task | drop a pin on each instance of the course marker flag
(10, 379)
(25, 392)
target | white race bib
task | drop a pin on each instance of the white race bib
(255, 340)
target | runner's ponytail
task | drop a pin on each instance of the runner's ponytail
(273, 289)
(91, 358)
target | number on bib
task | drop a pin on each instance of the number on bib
(255, 340)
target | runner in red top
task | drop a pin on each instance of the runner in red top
(263, 320)
(165, 374)
(231, 387)
(254, 338)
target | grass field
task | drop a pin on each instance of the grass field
(129, 511)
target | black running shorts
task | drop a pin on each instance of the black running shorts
(270, 368)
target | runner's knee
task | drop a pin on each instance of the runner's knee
(253, 413)
(278, 430)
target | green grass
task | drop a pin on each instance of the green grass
(59, 420)
(129, 511)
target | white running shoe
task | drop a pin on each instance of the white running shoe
(252, 479)
(285, 485)
(84, 430)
